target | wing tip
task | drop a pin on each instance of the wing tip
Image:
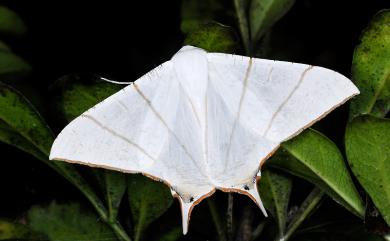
(254, 193)
(354, 90)
(186, 209)
(54, 150)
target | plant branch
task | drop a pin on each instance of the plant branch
(217, 219)
(310, 204)
(229, 217)
(258, 230)
(119, 231)
(244, 232)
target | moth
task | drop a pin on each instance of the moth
(203, 121)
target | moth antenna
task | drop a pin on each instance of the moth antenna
(116, 82)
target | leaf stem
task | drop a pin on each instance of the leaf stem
(139, 228)
(111, 214)
(119, 231)
(311, 202)
(229, 218)
(244, 230)
(258, 230)
(241, 7)
(217, 219)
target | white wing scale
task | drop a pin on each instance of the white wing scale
(203, 121)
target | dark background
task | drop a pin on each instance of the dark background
(122, 40)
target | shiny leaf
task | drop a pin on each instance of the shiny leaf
(11, 137)
(367, 144)
(315, 158)
(20, 116)
(371, 68)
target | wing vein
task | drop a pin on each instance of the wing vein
(149, 104)
(286, 100)
(189, 100)
(119, 136)
(243, 92)
(206, 142)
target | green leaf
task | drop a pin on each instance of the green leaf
(21, 125)
(148, 201)
(10, 137)
(10, 22)
(367, 144)
(12, 67)
(79, 97)
(64, 222)
(275, 189)
(315, 158)
(263, 14)
(371, 68)
(16, 231)
(114, 186)
(195, 13)
(213, 37)
(21, 117)
(241, 7)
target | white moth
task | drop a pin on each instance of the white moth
(203, 121)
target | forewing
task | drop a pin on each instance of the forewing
(147, 127)
(281, 98)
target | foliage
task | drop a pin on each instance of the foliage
(367, 145)
(310, 164)
(13, 230)
(308, 156)
(213, 37)
(148, 201)
(61, 222)
(10, 22)
(371, 68)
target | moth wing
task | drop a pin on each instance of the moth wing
(282, 98)
(148, 127)
(255, 104)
